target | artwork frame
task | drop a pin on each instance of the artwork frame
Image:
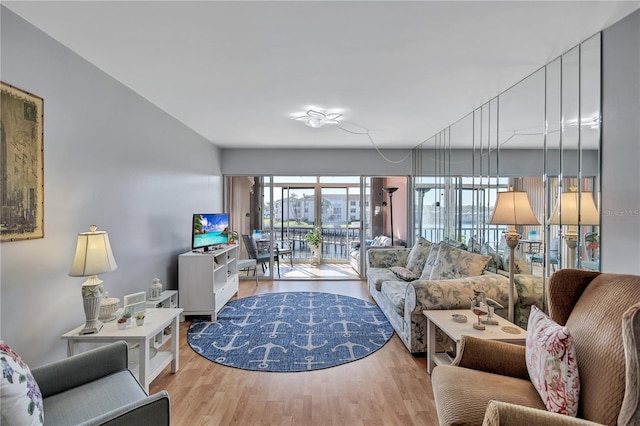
(21, 164)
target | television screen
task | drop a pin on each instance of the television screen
(210, 229)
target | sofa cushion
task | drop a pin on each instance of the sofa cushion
(378, 275)
(418, 256)
(21, 398)
(453, 262)
(395, 292)
(552, 364)
(403, 273)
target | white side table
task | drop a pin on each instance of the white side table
(443, 319)
(144, 335)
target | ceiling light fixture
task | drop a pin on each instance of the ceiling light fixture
(318, 119)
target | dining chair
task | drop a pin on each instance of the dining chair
(261, 257)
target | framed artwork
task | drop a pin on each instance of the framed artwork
(21, 165)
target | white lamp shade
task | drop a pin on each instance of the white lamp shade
(513, 208)
(93, 255)
(574, 213)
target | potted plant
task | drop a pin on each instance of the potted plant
(140, 318)
(314, 238)
(124, 320)
(233, 237)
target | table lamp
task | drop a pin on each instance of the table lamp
(93, 256)
(512, 208)
(574, 209)
(390, 191)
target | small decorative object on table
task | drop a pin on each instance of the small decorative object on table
(140, 318)
(459, 318)
(108, 307)
(155, 291)
(479, 308)
(124, 320)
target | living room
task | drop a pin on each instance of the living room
(114, 159)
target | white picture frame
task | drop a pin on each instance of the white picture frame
(135, 303)
(135, 308)
(130, 299)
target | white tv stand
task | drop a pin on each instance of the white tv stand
(207, 280)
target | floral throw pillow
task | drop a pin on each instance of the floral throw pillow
(431, 261)
(21, 397)
(552, 364)
(453, 262)
(403, 273)
(418, 255)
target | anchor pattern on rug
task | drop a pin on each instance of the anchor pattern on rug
(293, 331)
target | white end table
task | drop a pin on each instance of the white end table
(146, 335)
(443, 319)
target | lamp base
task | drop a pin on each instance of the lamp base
(91, 327)
(91, 298)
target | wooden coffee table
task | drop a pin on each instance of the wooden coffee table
(443, 319)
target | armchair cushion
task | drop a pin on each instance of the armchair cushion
(79, 390)
(552, 364)
(21, 400)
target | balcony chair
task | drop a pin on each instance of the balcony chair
(489, 380)
(261, 258)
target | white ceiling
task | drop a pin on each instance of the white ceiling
(236, 72)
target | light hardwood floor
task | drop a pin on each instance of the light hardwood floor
(389, 387)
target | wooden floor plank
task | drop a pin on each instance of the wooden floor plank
(389, 387)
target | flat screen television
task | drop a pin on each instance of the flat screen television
(209, 230)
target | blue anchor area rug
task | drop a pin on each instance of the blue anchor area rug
(297, 331)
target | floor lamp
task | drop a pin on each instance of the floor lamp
(390, 191)
(574, 209)
(512, 208)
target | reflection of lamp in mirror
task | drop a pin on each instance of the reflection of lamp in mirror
(93, 256)
(574, 209)
(390, 191)
(512, 208)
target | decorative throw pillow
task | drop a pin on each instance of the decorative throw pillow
(453, 262)
(487, 250)
(473, 246)
(418, 256)
(404, 273)
(21, 397)
(521, 266)
(431, 261)
(551, 362)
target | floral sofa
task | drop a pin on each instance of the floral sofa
(406, 281)
(378, 242)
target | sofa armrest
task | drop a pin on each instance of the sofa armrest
(456, 293)
(492, 356)
(386, 257)
(153, 410)
(81, 368)
(506, 414)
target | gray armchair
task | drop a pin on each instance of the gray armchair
(97, 388)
